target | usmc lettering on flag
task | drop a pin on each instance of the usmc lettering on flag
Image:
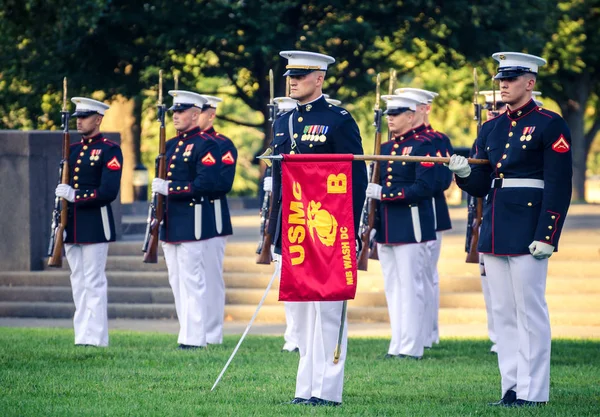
(318, 240)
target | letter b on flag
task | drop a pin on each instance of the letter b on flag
(336, 184)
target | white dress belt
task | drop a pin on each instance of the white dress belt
(517, 183)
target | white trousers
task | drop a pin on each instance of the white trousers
(431, 287)
(517, 289)
(214, 254)
(403, 274)
(185, 263)
(290, 336)
(485, 289)
(318, 326)
(88, 283)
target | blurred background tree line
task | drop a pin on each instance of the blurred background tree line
(112, 50)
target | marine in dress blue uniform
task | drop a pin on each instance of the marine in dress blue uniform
(193, 176)
(316, 126)
(527, 190)
(443, 147)
(405, 222)
(443, 180)
(215, 247)
(290, 336)
(96, 165)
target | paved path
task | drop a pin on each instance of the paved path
(355, 329)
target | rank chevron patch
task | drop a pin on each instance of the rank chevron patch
(114, 164)
(427, 164)
(208, 159)
(228, 158)
(561, 145)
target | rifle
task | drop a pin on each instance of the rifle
(369, 249)
(390, 92)
(264, 244)
(475, 205)
(156, 209)
(60, 212)
(375, 168)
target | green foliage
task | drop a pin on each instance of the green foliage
(226, 48)
(144, 375)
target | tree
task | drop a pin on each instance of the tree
(572, 79)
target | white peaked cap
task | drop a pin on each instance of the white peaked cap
(183, 100)
(422, 96)
(397, 104)
(87, 106)
(285, 103)
(212, 101)
(514, 64)
(302, 62)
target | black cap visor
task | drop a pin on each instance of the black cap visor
(84, 113)
(512, 72)
(298, 72)
(396, 110)
(181, 106)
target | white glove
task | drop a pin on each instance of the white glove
(372, 235)
(374, 191)
(160, 186)
(459, 165)
(268, 184)
(65, 191)
(541, 250)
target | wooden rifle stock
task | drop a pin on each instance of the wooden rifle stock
(264, 246)
(156, 210)
(473, 233)
(264, 257)
(55, 259)
(472, 254)
(57, 242)
(366, 252)
(151, 252)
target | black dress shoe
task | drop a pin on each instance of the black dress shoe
(189, 347)
(507, 401)
(416, 358)
(84, 345)
(319, 402)
(296, 400)
(389, 356)
(296, 350)
(525, 403)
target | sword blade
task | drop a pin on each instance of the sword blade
(247, 327)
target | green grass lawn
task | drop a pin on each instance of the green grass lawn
(43, 374)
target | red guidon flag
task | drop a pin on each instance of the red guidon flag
(317, 235)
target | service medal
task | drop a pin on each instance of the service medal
(313, 131)
(305, 133)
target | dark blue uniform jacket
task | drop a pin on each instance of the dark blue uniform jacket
(525, 143)
(95, 170)
(229, 155)
(193, 172)
(443, 178)
(405, 212)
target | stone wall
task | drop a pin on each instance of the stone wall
(29, 162)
